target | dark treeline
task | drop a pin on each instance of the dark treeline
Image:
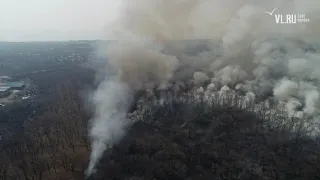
(53, 144)
(43, 89)
(175, 140)
(198, 140)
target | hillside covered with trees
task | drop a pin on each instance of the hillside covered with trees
(175, 140)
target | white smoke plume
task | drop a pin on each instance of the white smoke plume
(111, 99)
(230, 45)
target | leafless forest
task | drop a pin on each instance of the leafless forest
(175, 140)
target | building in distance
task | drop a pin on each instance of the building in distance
(4, 91)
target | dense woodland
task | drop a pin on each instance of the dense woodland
(40, 150)
(196, 140)
(177, 140)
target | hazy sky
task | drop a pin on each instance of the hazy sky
(40, 20)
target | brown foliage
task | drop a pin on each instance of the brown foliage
(54, 145)
(177, 140)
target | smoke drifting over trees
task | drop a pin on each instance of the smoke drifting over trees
(245, 52)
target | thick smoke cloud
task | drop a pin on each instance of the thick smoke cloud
(219, 45)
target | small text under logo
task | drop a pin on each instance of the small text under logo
(288, 18)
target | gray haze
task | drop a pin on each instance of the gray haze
(50, 20)
(254, 55)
